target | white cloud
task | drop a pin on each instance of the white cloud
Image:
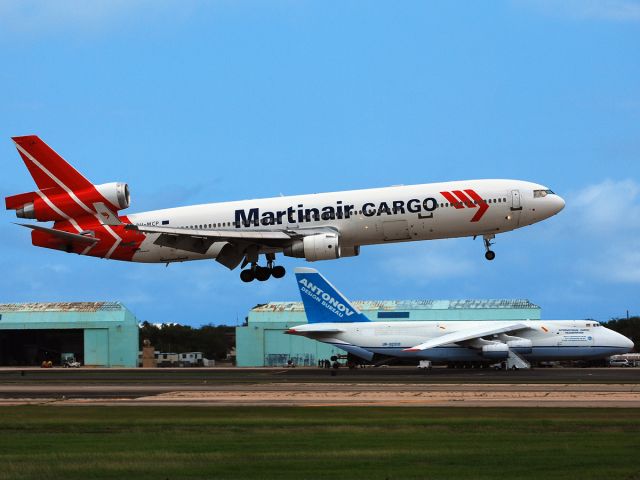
(607, 207)
(603, 224)
(610, 10)
(40, 16)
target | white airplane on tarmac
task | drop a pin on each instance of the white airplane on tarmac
(334, 320)
(321, 226)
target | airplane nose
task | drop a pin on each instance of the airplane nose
(557, 203)
(620, 341)
(626, 343)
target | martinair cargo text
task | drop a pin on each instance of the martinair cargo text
(322, 226)
(333, 319)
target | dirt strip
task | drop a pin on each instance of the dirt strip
(477, 395)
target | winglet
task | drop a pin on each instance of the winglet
(323, 303)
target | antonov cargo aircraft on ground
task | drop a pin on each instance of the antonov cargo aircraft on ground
(334, 320)
(322, 226)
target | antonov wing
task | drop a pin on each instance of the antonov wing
(468, 334)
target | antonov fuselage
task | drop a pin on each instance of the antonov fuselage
(334, 320)
(322, 226)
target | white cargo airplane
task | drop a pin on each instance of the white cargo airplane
(322, 226)
(336, 321)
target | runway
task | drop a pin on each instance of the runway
(557, 387)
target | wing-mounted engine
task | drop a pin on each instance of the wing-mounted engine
(323, 246)
(522, 345)
(55, 204)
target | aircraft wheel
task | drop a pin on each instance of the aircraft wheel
(278, 272)
(490, 255)
(246, 275)
(262, 274)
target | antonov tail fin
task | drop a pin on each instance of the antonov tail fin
(323, 303)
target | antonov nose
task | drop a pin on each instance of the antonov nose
(625, 342)
(617, 340)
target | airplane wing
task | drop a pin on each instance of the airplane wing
(199, 241)
(468, 334)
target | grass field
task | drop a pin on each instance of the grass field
(43, 442)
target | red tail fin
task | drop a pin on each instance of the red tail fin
(48, 169)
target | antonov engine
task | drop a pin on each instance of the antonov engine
(323, 246)
(524, 345)
(497, 351)
(117, 194)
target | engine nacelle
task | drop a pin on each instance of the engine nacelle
(116, 194)
(524, 345)
(324, 246)
(495, 351)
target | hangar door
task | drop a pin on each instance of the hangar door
(279, 348)
(96, 347)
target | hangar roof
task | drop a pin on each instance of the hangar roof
(61, 307)
(393, 305)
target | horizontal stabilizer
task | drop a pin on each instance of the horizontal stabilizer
(68, 236)
(319, 328)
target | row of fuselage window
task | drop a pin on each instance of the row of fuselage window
(316, 218)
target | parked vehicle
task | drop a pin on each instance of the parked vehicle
(619, 362)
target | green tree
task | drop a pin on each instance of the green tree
(214, 341)
(629, 327)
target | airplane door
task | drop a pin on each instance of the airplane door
(516, 208)
(396, 230)
(515, 200)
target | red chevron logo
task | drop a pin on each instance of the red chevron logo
(460, 199)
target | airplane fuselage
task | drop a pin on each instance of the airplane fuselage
(543, 339)
(361, 217)
(322, 226)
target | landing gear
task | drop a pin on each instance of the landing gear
(262, 274)
(489, 254)
(247, 275)
(278, 271)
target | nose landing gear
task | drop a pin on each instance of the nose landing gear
(262, 274)
(489, 254)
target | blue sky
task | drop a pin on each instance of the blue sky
(194, 102)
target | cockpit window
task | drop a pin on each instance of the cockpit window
(541, 193)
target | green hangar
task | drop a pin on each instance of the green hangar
(99, 334)
(262, 342)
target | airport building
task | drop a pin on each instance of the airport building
(100, 334)
(262, 341)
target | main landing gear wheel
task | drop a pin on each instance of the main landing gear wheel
(278, 271)
(262, 274)
(489, 254)
(247, 275)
